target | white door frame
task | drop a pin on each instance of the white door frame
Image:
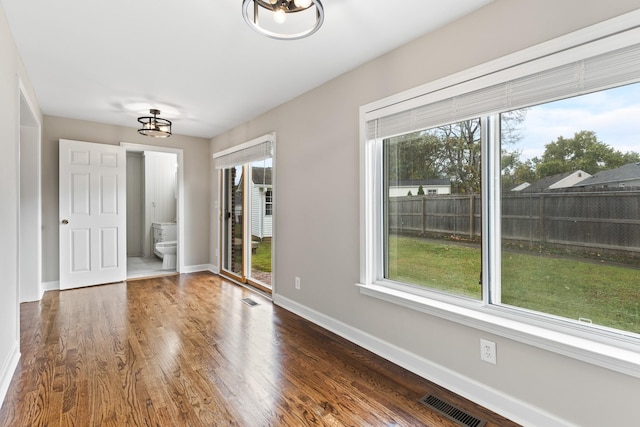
(129, 146)
(29, 190)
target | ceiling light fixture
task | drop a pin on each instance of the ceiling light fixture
(155, 126)
(283, 19)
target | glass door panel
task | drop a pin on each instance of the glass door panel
(233, 235)
(261, 223)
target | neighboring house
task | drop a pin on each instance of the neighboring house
(624, 176)
(554, 182)
(429, 186)
(261, 194)
(261, 202)
(520, 187)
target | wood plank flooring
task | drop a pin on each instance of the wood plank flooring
(186, 351)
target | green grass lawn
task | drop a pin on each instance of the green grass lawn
(606, 294)
(453, 268)
(261, 260)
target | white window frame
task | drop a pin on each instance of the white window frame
(597, 345)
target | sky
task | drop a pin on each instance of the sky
(614, 115)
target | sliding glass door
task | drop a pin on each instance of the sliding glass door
(246, 215)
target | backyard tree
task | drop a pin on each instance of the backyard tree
(461, 150)
(450, 151)
(413, 156)
(461, 154)
(581, 152)
(461, 143)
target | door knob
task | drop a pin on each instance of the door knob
(65, 222)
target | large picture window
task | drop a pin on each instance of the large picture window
(510, 200)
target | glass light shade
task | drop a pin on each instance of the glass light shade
(283, 19)
(279, 16)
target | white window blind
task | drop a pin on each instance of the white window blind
(599, 72)
(261, 151)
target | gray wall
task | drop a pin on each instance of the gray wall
(196, 183)
(317, 197)
(11, 69)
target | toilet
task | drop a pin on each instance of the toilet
(165, 243)
(167, 251)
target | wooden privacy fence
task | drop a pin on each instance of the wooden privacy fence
(604, 220)
(457, 214)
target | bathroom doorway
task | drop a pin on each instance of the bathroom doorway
(154, 210)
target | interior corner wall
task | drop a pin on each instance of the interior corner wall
(196, 184)
(12, 73)
(317, 220)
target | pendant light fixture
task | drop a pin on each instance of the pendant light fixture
(283, 19)
(155, 126)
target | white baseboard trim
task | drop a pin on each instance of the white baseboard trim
(49, 286)
(8, 368)
(498, 402)
(197, 268)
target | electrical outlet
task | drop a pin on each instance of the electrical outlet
(488, 351)
(298, 283)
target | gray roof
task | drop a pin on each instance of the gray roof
(261, 176)
(628, 172)
(513, 187)
(544, 183)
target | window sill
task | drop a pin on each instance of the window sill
(624, 358)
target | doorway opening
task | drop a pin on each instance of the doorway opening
(154, 211)
(29, 214)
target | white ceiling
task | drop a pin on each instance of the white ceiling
(90, 60)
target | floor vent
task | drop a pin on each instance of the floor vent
(249, 302)
(452, 412)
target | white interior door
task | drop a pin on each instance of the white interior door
(93, 238)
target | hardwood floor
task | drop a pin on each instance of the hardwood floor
(186, 351)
